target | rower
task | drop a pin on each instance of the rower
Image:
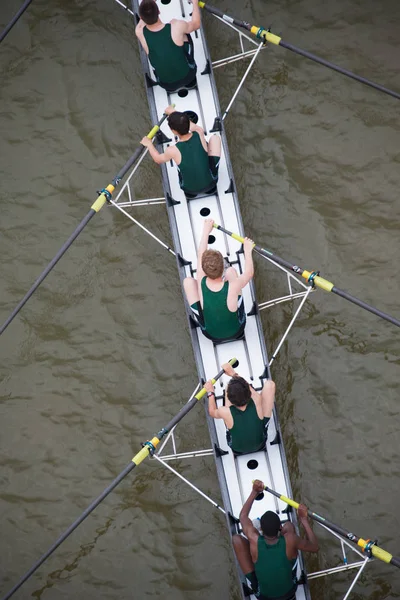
(216, 298)
(246, 413)
(197, 160)
(268, 557)
(169, 46)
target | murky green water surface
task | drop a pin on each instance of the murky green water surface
(100, 358)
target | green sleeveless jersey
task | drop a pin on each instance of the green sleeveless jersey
(220, 323)
(168, 60)
(274, 569)
(194, 168)
(247, 433)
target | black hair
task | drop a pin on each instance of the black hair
(238, 391)
(148, 12)
(179, 122)
(270, 524)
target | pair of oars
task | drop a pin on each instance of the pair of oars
(265, 34)
(104, 196)
(367, 546)
(313, 278)
(148, 448)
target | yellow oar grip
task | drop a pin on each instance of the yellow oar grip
(202, 4)
(267, 35)
(320, 282)
(101, 200)
(381, 554)
(153, 132)
(144, 452)
(290, 502)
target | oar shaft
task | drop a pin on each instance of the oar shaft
(313, 277)
(96, 206)
(11, 24)
(262, 33)
(376, 551)
(338, 69)
(70, 529)
(365, 306)
(47, 270)
(148, 447)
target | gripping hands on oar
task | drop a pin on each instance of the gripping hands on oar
(104, 196)
(314, 278)
(265, 34)
(369, 547)
(148, 448)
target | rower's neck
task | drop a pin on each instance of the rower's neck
(156, 26)
(186, 137)
(271, 540)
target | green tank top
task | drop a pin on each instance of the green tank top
(247, 433)
(168, 60)
(274, 569)
(194, 169)
(220, 323)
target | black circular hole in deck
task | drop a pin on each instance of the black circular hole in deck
(182, 93)
(205, 211)
(211, 239)
(252, 464)
(260, 496)
(165, 1)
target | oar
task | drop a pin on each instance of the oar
(14, 20)
(262, 33)
(366, 545)
(148, 448)
(314, 279)
(105, 195)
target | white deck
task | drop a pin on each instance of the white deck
(270, 466)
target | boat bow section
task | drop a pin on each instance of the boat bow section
(186, 221)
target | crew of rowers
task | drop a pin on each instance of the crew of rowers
(267, 556)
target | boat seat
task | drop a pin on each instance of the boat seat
(210, 192)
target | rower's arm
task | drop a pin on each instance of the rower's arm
(248, 528)
(248, 272)
(140, 35)
(155, 154)
(195, 22)
(311, 543)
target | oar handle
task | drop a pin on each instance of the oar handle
(151, 445)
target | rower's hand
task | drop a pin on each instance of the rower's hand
(248, 245)
(208, 225)
(302, 511)
(258, 486)
(169, 110)
(146, 142)
(229, 370)
(208, 386)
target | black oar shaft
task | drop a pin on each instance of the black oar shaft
(70, 529)
(98, 204)
(49, 267)
(366, 545)
(314, 278)
(147, 449)
(338, 69)
(262, 33)
(11, 24)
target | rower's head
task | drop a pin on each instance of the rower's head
(270, 524)
(149, 12)
(212, 263)
(238, 391)
(179, 123)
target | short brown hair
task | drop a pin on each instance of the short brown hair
(213, 263)
(179, 121)
(148, 12)
(238, 391)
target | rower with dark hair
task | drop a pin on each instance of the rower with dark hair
(268, 557)
(246, 413)
(197, 160)
(169, 46)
